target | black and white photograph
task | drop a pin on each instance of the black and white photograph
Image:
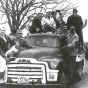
(43, 44)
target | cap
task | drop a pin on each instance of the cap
(19, 32)
(75, 10)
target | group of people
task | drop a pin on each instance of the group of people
(69, 51)
(53, 21)
(48, 22)
(72, 43)
(71, 33)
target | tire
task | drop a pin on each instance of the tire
(62, 80)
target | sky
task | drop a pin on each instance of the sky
(83, 8)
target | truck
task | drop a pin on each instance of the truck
(40, 66)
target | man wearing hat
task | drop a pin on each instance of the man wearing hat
(76, 21)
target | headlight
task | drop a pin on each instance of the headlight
(54, 63)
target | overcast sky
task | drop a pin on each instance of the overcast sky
(83, 11)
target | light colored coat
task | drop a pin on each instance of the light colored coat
(72, 50)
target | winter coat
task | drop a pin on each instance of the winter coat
(75, 21)
(71, 44)
(36, 23)
(4, 43)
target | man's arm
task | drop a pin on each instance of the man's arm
(68, 23)
(74, 40)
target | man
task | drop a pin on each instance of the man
(4, 41)
(64, 34)
(20, 44)
(58, 18)
(55, 15)
(76, 21)
(3, 49)
(72, 52)
(49, 24)
(36, 24)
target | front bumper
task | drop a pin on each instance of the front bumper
(13, 85)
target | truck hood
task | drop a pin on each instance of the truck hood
(39, 52)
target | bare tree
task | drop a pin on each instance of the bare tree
(16, 11)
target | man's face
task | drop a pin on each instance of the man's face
(64, 28)
(72, 29)
(61, 17)
(74, 14)
(19, 35)
(2, 31)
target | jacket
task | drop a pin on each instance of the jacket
(71, 44)
(75, 21)
(4, 44)
(36, 23)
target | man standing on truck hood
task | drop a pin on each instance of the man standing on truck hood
(72, 52)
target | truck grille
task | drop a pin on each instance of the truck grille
(31, 72)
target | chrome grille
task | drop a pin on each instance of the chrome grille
(30, 71)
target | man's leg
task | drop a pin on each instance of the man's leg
(71, 68)
(81, 39)
(79, 33)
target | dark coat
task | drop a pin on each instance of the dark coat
(4, 45)
(75, 21)
(36, 23)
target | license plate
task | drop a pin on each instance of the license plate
(23, 80)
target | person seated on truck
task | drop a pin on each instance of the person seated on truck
(19, 44)
(72, 53)
(36, 24)
(49, 24)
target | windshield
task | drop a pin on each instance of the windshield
(43, 41)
